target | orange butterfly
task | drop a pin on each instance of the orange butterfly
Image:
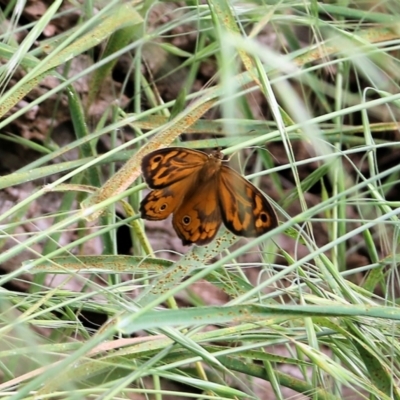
(202, 192)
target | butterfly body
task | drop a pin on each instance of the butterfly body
(201, 192)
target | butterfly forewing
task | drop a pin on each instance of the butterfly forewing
(244, 209)
(164, 167)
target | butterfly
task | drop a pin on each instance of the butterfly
(202, 192)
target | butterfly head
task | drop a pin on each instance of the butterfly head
(216, 154)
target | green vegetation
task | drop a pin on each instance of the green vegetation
(305, 98)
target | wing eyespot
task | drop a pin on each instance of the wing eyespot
(157, 158)
(264, 217)
(163, 207)
(186, 220)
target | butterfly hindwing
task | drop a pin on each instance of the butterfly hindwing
(198, 218)
(160, 203)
